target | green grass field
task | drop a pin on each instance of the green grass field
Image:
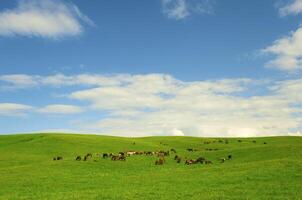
(257, 170)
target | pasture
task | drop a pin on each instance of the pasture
(260, 168)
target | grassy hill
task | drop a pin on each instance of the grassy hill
(256, 171)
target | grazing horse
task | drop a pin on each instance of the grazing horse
(58, 158)
(114, 158)
(105, 155)
(200, 160)
(78, 158)
(210, 149)
(189, 149)
(173, 150)
(122, 158)
(264, 143)
(163, 153)
(130, 153)
(190, 162)
(149, 153)
(87, 156)
(160, 161)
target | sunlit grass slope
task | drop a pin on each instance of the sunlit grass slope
(257, 170)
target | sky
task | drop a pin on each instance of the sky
(208, 68)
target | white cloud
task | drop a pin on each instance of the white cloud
(60, 109)
(162, 104)
(287, 52)
(159, 104)
(180, 9)
(13, 109)
(43, 18)
(293, 8)
(21, 81)
(17, 81)
(82, 79)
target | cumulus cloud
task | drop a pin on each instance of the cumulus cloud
(160, 104)
(43, 18)
(13, 109)
(180, 9)
(292, 8)
(60, 109)
(287, 52)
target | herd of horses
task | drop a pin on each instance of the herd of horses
(161, 155)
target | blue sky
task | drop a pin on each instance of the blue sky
(160, 67)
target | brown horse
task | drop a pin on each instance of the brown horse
(160, 161)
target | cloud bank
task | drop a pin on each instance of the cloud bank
(43, 18)
(160, 104)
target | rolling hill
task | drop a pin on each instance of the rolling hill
(260, 168)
